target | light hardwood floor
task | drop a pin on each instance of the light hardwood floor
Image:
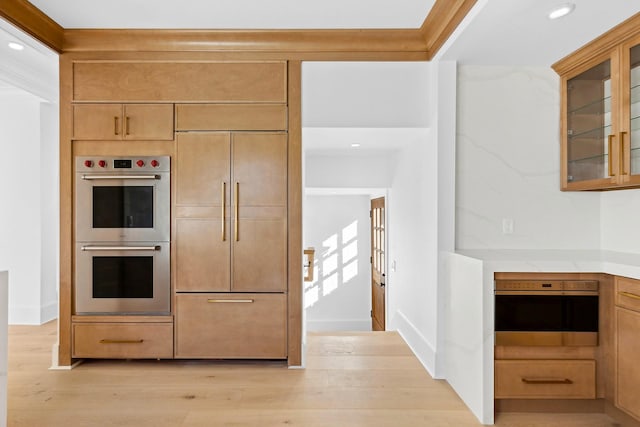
(352, 379)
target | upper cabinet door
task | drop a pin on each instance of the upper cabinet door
(630, 115)
(148, 122)
(589, 129)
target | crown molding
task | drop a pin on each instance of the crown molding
(33, 21)
(442, 20)
(376, 44)
(598, 47)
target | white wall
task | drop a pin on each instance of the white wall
(350, 171)
(413, 247)
(619, 221)
(339, 298)
(508, 164)
(29, 217)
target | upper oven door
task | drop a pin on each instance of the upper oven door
(122, 204)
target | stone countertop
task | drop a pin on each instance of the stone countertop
(554, 260)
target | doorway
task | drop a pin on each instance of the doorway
(378, 264)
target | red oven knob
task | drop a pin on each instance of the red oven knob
(88, 163)
(140, 163)
(155, 163)
(102, 163)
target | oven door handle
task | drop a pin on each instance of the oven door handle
(120, 248)
(94, 177)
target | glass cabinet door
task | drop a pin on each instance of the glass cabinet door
(631, 117)
(589, 122)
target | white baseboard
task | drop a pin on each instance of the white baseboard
(416, 341)
(49, 312)
(338, 325)
(32, 315)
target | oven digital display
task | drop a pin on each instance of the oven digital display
(122, 164)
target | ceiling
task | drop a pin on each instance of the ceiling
(237, 14)
(496, 32)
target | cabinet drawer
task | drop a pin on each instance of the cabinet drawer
(244, 326)
(628, 293)
(123, 340)
(231, 117)
(545, 379)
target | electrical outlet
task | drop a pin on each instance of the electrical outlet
(507, 225)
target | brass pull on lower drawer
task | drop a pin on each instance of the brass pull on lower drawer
(241, 301)
(121, 341)
(629, 295)
(547, 381)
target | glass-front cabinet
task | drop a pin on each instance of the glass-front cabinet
(600, 125)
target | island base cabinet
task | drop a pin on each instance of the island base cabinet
(231, 326)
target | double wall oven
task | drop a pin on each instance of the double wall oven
(122, 217)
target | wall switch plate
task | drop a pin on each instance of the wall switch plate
(507, 225)
(393, 266)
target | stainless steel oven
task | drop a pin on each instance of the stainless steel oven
(122, 253)
(120, 198)
(546, 313)
(125, 278)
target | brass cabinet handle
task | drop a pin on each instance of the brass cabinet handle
(121, 341)
(115, 126)
(224, 188)
(547, 381)
(236, 215)
(126, 125)
(610, 138)
(629, 295)
(239, 301)
(622, 134)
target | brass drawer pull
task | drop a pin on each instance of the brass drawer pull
(242, 301)
(121, 341)
(629, 295)
(115, 126)
(547, 381)
(223, 200)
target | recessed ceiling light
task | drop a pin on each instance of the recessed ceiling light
(562, 10)
(355, 145)
(15, 46)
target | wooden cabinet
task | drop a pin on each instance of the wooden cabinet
(545, 379)
(123, 122)
(600, 113)
(627, 345)
(231, 197)
(111, 340)
(227, 325)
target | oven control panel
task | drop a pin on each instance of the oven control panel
(548, 285)
(123, 164)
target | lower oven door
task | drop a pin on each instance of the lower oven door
(131, 278)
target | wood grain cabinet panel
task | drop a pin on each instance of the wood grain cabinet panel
(123, 122)
(248, 173)
(627, 345)
(231, 326)
(545, 379)
(156, 81)
(123, 340)
(254, 117)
